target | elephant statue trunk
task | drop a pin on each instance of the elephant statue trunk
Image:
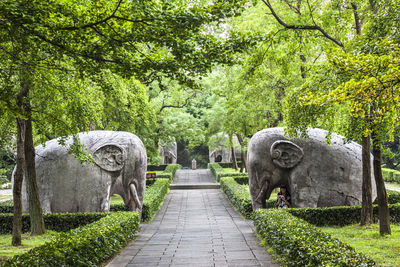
(315, 173)
(119, 167)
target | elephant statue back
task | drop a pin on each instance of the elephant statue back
(65, 185)
(317, 174)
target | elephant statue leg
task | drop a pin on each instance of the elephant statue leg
(135, 203)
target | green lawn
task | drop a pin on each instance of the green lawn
(116, 199)
(384, 250)
(28, 242)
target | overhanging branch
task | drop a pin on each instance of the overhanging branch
(301, 27)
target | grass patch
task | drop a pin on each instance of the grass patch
(28, 242)
(385, 250)
(116, 199)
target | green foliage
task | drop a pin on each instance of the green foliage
(59, 222)
(341, 215)
(219, 172)
(156, 168)
(7, 206)
(28, 242)
(238, 195)
(172, 168)
(154, 198)
(84, 246)
(391, 176)
(302, 244)
(383, 249)
(242, 180)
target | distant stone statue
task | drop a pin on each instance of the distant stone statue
(169, 154)
(316, 174)
(194, 164)
(65, 185)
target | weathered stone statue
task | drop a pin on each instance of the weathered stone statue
(316, 174)
(169, 154)
(120, 164)
(219, 150)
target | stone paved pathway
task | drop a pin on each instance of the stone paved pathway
(195, 228)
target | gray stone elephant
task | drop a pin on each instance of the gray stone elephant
(316, 174)
(119, 167)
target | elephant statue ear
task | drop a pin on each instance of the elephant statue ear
(110, 157)
(286, 154)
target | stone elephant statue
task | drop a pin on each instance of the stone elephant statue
(315, 173)
(65, 185)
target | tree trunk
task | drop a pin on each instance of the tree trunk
(35, 208)
(366, 209)
(244, 153)
(234, 161)
(17, 186)
(383, 208)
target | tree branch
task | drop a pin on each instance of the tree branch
(301, 27)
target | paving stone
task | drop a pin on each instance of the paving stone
(195, 228)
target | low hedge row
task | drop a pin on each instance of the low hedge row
(172, 168)
(340, 216)
(60, 222)
(391, 176)
(219, 172)
(7, 206)
(238, 195)
(228, 164)
(154, 198)
(151, 168)
(242, 180)
(84, 246)
(301, 244)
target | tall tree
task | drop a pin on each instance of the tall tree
(146, 39)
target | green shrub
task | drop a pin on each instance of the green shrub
(153, 198)
(391, 176)
(7, 206)
(340, 216)
(84, 246)
(164, 175)
(302, 244)
(242, 180)
(59, 222)
(238, 195)
(151, 168)
(215, 168)
(219, 172)
(172, 168)
(393, 197)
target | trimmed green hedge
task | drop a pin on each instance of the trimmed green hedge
(154, 198)
(340, 216)
(84, 246)
(242, 180)
(391, 176)
(172, 168)
(393, 197)
(151, 168)
(228, 164)
(219, 172)
(238, 195)
(60, 222)
(302, 244)
(7, 206)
